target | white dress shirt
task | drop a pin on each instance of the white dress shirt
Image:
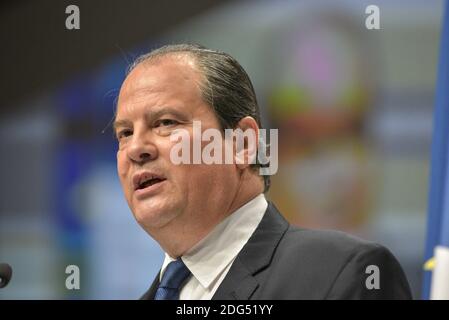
(212, 257)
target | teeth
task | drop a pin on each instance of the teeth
(148, 182)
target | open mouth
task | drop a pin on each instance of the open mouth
(148, 183)
(146, 180)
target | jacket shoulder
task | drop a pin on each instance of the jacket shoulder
(340, 243)
(329, 264)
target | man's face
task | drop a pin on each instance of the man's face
(156, 99)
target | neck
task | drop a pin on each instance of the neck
(250, 187)
(179, 237)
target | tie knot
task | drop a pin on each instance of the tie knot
(175, 274)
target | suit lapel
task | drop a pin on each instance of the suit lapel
(149, 295)
(240, 282)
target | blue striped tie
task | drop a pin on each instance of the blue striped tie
(174, 276)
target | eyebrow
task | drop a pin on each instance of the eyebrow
(152, 114)
(121, 123)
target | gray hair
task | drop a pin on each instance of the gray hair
(227, 87)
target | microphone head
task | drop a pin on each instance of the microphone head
(5, 274)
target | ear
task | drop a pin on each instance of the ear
(246, 137)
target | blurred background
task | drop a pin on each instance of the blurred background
(353, 108)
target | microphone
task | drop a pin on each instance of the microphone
(5, 274)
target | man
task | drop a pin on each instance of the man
(221, 237)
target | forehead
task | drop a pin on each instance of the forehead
(172, 75)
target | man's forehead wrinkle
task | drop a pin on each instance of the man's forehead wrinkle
(141, 84)
(132, 104)
(138, 91)
(162, 83)
(151, 101)
(156, 96)
(141, 94)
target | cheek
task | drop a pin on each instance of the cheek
(196, 180)
(212, 180)
(122, 166)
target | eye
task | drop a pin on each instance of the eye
(165, 123)
(124, 133)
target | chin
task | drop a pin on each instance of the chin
(154, 215)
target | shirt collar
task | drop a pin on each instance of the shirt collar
(221, 246)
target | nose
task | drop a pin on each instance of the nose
(141, 150)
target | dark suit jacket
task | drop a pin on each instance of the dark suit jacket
(281, 261)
